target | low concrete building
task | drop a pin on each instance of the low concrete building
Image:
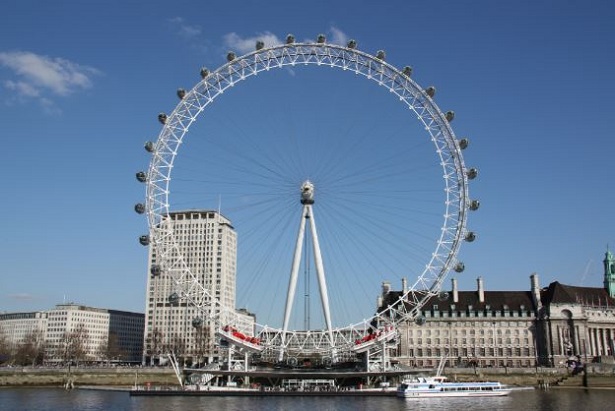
(69, 330)
(17, 328)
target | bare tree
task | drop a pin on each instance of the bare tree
(5, 348)
(201, 343)
(73, 346)
(154, 344)
(176, 346)
(111, 350)
(31, 350)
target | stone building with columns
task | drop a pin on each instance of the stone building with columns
(579, 321)
(547, 326)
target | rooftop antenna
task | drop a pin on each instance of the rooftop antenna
(219, 208)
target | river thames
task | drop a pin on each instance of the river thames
(55, 399)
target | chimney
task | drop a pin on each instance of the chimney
(386, 288)
(379, 302)
(404, 285)
(455, 291)
(535, 289)
(481, 290)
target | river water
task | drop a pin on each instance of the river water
(55, 399)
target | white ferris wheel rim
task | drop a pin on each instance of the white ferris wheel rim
(371, 67)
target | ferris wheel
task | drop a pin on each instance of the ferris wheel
(329, 340)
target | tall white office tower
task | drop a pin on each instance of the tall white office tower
(208, 243)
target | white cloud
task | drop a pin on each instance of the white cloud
(338, 37)
(22, 88)
(22, 296)
(185, 30)
(245, 45)
(334, 36)
(37, 76)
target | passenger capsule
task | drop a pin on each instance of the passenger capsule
(260, 45)
(162, 117)
(443, 296)
(155, 270)
(321, 39)
(197, 322)
(149, 146)
(140, 208)
(470, 236)
(230, 56)
(174, 298)
(381, 55)
(459, 267)
(431, 91)
(472, 173)
(420, 320)
(352, 44)
(144, 239)
(141, 176)
(181, 93)
(204, 72)
(290, 39)
(464, 143)
(407, 71)
(474, 205)
(450, 115)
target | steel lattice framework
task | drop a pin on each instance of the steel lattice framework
(374, 68)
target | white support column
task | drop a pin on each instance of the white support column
(590, 344)
(229, 359)
(307, 199)
(385, 359)
(324, 296)
(292, 283)
(560, 341)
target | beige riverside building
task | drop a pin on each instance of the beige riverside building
(107, 332)
(101, 333)
(17, 327)
(69, 318)
(550, 326)
(208, 244)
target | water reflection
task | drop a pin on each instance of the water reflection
(54, 399)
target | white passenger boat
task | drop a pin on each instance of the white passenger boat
(438, 386)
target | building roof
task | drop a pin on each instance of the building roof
(557, 293)
(494, 300)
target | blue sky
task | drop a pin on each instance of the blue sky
(81, 84)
